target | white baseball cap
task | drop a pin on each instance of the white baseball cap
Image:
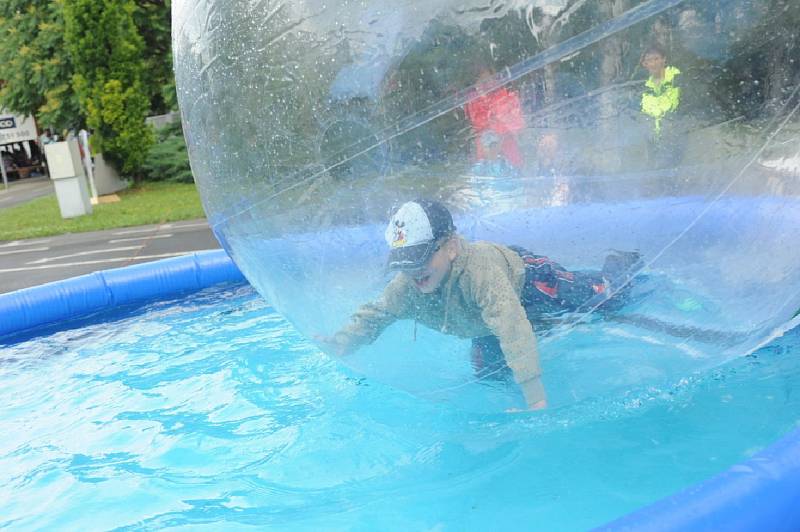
(413, 231)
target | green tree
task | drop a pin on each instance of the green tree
(762, 71)
(34, 63)
(153, 22)
(109, 72)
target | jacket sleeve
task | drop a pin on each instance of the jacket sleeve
(501, 310)
(371, 319)
(675, 92)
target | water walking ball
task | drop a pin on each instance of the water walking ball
(309, 122)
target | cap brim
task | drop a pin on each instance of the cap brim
(410, 257)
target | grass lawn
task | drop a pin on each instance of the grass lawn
(150, 203)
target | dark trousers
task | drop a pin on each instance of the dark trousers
(666, 148)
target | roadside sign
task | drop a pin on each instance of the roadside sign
(16, 128)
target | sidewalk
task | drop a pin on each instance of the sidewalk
(22, 190)
(26, 263)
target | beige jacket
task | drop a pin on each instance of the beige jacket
(479, 297)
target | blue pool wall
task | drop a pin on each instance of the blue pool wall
(53, 302)
(762, 493)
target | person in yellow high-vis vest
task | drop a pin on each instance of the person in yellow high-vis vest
(660, 100)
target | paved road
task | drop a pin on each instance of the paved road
(25, 263)
(22, 190)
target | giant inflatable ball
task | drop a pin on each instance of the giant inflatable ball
(569, 128)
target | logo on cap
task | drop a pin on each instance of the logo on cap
(399, 239)
(413, 231)
(408, 227)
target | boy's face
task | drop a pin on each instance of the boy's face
(491, 151)
(654, 63)
(428, 278)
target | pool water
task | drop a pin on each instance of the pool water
(214, 412)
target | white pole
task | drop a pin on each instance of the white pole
(3, 171)
(83, 137)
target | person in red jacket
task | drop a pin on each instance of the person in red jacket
(500, 112)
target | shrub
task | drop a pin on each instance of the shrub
(167, 159)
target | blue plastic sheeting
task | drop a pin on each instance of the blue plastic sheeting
(71, 298)
(760, 494)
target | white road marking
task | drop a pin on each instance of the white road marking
(120, 240)
(99, 261)
(84, 253)
(17, 243)
(135, 231)
(155, 229)
(184, 226)
(28, 250)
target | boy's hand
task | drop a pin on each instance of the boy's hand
(330, 343)
(541, 405)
